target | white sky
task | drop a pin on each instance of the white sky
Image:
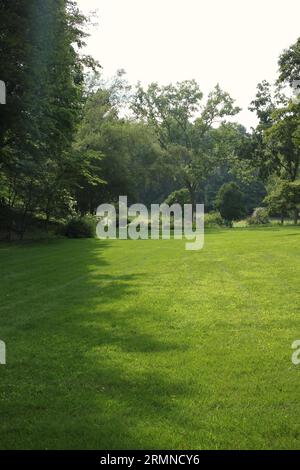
(232, 42)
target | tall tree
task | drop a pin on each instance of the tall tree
(46, 95)
(183, 126)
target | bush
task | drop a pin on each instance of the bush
(213, 219)
(259, 217)
(81, 227)
(229, 202)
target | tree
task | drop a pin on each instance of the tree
(183, 126)
(101, 136)
(282, 142)
(278, 132)
(266, 103)
(230, 203)
(116, 146)
(181, 197)
(45, 96)
(289, 64)
(284, 198)
(277, 137)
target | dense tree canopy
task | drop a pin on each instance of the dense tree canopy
(184, 126)
(44, 75)
(276, 140)
(70, 141)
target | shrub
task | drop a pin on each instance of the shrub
(80, 227)
(213, 219)
(230, 203)
(259, 217)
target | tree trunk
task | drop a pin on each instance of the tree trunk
(296, 216)
(192, 191)
(193, 202)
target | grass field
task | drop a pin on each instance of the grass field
(141, 344)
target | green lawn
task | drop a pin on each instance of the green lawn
(141, 344)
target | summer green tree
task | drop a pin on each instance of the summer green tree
(230, 203)
(183, 125)
(284, 198)
(45, 95)
(277, 136)
(181, 196)
(125, 155)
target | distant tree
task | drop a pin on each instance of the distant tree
(124, 154)
(183, 125)
(101, 138)
(268, 100)
(181, 197)
(230, 203)
(284, 199)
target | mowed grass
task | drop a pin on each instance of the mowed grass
(141, 344)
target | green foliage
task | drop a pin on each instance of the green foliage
(67, 142)
(284, 199)
(282, 142)
(44, 72)
(259, 217)
(230, 203)
(213, 219)
(80, 227)
(126, 153)
(181, 197)
(277, 137)
(289, 65)
(184, 127)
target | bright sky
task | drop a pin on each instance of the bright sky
(232, 42)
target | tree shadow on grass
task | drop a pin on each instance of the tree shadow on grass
(88, 364)
(291, 235)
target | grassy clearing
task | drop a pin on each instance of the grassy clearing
(127, 344)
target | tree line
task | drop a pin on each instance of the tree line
(70, 141)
